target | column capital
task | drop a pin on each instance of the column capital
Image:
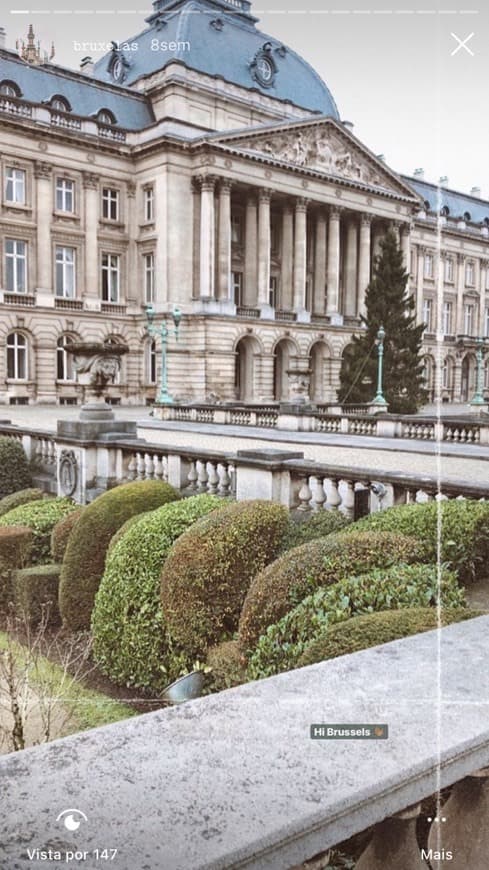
(366, 219)
(225, 185)
(42, 170)
(206, 182)
(484, 263)
(264, 194)
(335, 211)
(421, 250)
(461, 258)
(90, 180)
(131, 189)
(406, 228)
(301, 204)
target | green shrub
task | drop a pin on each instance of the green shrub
(23, 496)
(316, 525)
(400, 586)
(36, 593)
(15, 547)
(61, 533)
(299, 572)
(14, 468)
(228, 666)
(373, 629)
(209, 569)
(40, 516)
(84, 561)
(131, 644)
(465, 532)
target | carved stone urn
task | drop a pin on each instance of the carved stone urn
(97, 365)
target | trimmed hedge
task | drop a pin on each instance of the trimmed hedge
(316, 525)
(15, 546)
(23, 496)
(130, 641)
(40, 516)
(84, 561)
(373, 629)
(61, 533)
(228, 666)
(36, 593)
(281, 648)
(299, 572)
(14, 468)
(465, 532)
(208, 571)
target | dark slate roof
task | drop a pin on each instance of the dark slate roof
(225, 50)
(85, 95)
(457, 203)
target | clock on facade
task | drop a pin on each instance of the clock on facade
(263, 68)
(117, 70)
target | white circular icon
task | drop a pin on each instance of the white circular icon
(72, 819)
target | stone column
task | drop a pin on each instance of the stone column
(351, 269)
(286, 279)
(196, 237)
(406, 246)
(224, 243)
(420, 284)
(251, 251)
(378, 234)
(300, 255)
(333, 295)
(319, 301)
(207, 238)
(92, 300)
(459, 322)
(396, 229)
(264, 242)
(364, 264)
(44, 211)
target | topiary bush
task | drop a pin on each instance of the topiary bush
(84, 560)
(36, 593)
(15, 546)
(40, 516)
(228, 666)
(373, 629)
(14, 468)
(23, 496)
(130, 641)
(464, 532)
(283, 644)
(299, 572)
(60, 534)
(208, 571)
(316, 525)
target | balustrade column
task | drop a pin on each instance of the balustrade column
(333, 295)
(420, 284)
(460, 294)
(44, 209)
(207, 238)
(350, 305)
(364, 260)
(319, 300)
(251, 251)
(300, 254)
(224, 243)
(287, 257)
(264, 243)
(91, 188)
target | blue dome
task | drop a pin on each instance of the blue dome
(218, 38)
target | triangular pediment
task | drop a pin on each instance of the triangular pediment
(324, 146)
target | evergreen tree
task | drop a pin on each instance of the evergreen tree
(387, 305)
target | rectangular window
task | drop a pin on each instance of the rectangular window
(15, 185)
(149, 204)
(236, 228)
(272, 295)
(149, 277)
(447, 318)
(449, 270)
(237, 285)
(65, 195)
(428, 314)
(470, 273)
(429, 266)
(15, 266)
(110, 203)
(110, 277)
(65, 272)
(468, 319)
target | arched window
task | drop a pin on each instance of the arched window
(105, 116)
(64, 360)
(17, 357)
(10, 89)
(59, 103)
(467, 216)
(445, 211)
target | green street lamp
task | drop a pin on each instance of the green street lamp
(379, 400)
(164, 332)
(478, 398)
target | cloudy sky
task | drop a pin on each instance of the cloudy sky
(396, 69)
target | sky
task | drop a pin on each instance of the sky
(412, 75)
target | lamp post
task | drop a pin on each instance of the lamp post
(478, 398)
(379, 400)
(164, 332)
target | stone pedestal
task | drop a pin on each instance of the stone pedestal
(299, 386)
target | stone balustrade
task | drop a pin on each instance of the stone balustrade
(247, 779)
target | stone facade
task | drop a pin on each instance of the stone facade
(264, 238)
